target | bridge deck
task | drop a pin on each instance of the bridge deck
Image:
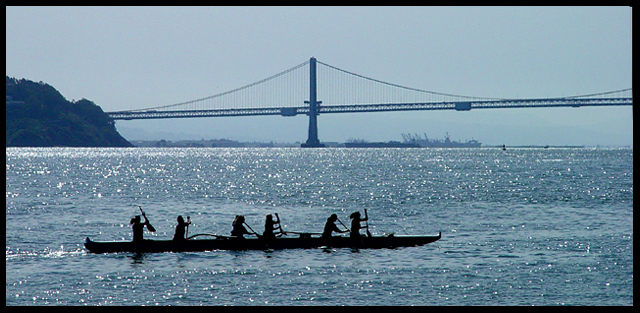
(383, 107)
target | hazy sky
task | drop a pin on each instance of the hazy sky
(137, 57)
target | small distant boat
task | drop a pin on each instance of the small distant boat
(304, 241)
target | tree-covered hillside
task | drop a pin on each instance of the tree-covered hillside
(37, 115)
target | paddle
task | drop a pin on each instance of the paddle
(366, 222)
(254, 232)
(149, 227)
(188, 222)
(280, 225)
(343, 225)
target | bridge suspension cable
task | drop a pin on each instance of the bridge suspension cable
(374, 91)
(289, 89)
(627, 93)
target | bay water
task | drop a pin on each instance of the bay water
(525, 226)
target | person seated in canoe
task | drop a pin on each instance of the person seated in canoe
(138, 227)
(180, 228)
(238, 229)
(331, 227)
(355, 225)
(269, 226)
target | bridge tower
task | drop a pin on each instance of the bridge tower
(313, 141)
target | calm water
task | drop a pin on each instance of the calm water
(520, 227)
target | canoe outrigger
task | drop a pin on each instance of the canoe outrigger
(304, 241)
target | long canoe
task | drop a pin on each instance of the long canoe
(231, 243)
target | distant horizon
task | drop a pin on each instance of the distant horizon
(368, 141)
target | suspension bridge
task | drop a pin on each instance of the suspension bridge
(298, 90)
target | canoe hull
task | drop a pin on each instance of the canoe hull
(226, 243)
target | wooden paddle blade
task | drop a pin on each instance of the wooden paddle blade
(186, 235)
(343, 225)
(149, 227)
(366, 217)
(282, 232)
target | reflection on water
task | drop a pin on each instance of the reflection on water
(526, 227)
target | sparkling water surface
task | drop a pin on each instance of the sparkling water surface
(520, 227)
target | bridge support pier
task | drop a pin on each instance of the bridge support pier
(313, 141)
